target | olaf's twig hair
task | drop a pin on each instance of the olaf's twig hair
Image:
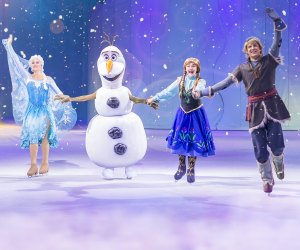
(107, 39)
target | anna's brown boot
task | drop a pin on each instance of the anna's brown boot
(181, 168)
(191, 169)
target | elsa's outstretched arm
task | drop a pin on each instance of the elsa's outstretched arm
(19, 76)
(16, 67)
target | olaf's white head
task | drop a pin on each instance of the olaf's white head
(111, 67)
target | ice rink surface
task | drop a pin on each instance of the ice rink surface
(74, 208)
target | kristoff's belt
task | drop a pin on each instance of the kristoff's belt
(257, 98)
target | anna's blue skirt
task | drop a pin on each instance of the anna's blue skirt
(191, 134)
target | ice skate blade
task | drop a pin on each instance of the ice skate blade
(33, 175)
(43, 174)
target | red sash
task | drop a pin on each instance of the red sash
(256, 98)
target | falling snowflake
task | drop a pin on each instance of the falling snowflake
(23, 54)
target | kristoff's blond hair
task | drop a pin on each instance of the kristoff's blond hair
(252, 40)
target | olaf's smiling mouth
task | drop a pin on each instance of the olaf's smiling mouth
(111, 79)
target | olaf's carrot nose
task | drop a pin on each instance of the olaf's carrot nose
(109, 65)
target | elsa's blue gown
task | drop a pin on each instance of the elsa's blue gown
(33, 104)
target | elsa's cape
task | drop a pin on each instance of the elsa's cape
(65, 115)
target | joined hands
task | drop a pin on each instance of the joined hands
(62, 98)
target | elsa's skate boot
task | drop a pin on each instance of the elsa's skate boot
(33, 170)
(181, 168)
(191, 170)
(265, 170)
(278, 165)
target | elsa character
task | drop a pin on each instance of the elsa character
(33, 107)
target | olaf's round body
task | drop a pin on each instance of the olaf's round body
(112, 102)
(116, 141)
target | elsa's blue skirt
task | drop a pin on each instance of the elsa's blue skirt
(35, 123)
(191, 134)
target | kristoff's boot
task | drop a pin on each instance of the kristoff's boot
(265, 170)
(278, 165)
(181, 168)
(191, 169)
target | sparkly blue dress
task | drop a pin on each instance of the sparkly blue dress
(33, 104)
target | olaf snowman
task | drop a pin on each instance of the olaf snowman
(115, 137)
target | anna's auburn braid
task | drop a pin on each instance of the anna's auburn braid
(181, 84)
